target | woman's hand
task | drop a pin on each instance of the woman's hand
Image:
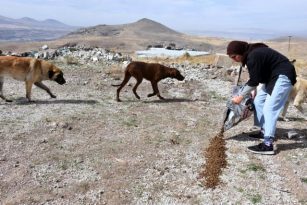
(237, 99)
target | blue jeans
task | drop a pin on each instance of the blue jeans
(268, 107)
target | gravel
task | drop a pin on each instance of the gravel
(85, 148)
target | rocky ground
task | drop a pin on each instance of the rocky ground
(85, 148)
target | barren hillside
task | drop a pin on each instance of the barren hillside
(28, 29)
(124, 38)
(84, 147)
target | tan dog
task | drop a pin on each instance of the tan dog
(153, 72)
(30, 70)
(298, 95)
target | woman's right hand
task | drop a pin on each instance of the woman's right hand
(237, 99)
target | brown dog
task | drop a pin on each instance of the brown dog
(30, 70)
(153, 72)
(298, 94)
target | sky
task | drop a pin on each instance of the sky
(286, 17)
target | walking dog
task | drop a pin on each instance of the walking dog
(152, 72)
(298, 95)
(31, 71)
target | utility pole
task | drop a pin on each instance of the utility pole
(289, 43)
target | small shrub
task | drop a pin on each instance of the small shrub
(256, 199)
(115, 71)
(255, 167)
(241, 190)
(131, 122)
(64, 165)
(304, 180)
(69, 60)
(186, 55)
(83, 187)
(216, 96)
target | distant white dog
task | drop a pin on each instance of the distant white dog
(298, 95)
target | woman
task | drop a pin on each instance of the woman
(277, 75)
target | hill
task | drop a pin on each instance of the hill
(139, 28)
(133, 36)
(126, 38)
(28, 29)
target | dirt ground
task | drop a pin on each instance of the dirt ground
(85, 148)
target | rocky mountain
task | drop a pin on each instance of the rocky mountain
(28, 29)
(132, 36)
(139, 28)
(128, 37)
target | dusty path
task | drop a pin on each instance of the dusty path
(86, 148)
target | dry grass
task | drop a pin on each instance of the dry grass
(70, 60)
(206, 59)
(129, 44)
(115, 71)
(211, 40)
(298, 51)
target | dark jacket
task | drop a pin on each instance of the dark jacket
(265, 65)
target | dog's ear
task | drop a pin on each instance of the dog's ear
(50, 73)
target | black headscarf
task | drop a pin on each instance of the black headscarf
(242, 48)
